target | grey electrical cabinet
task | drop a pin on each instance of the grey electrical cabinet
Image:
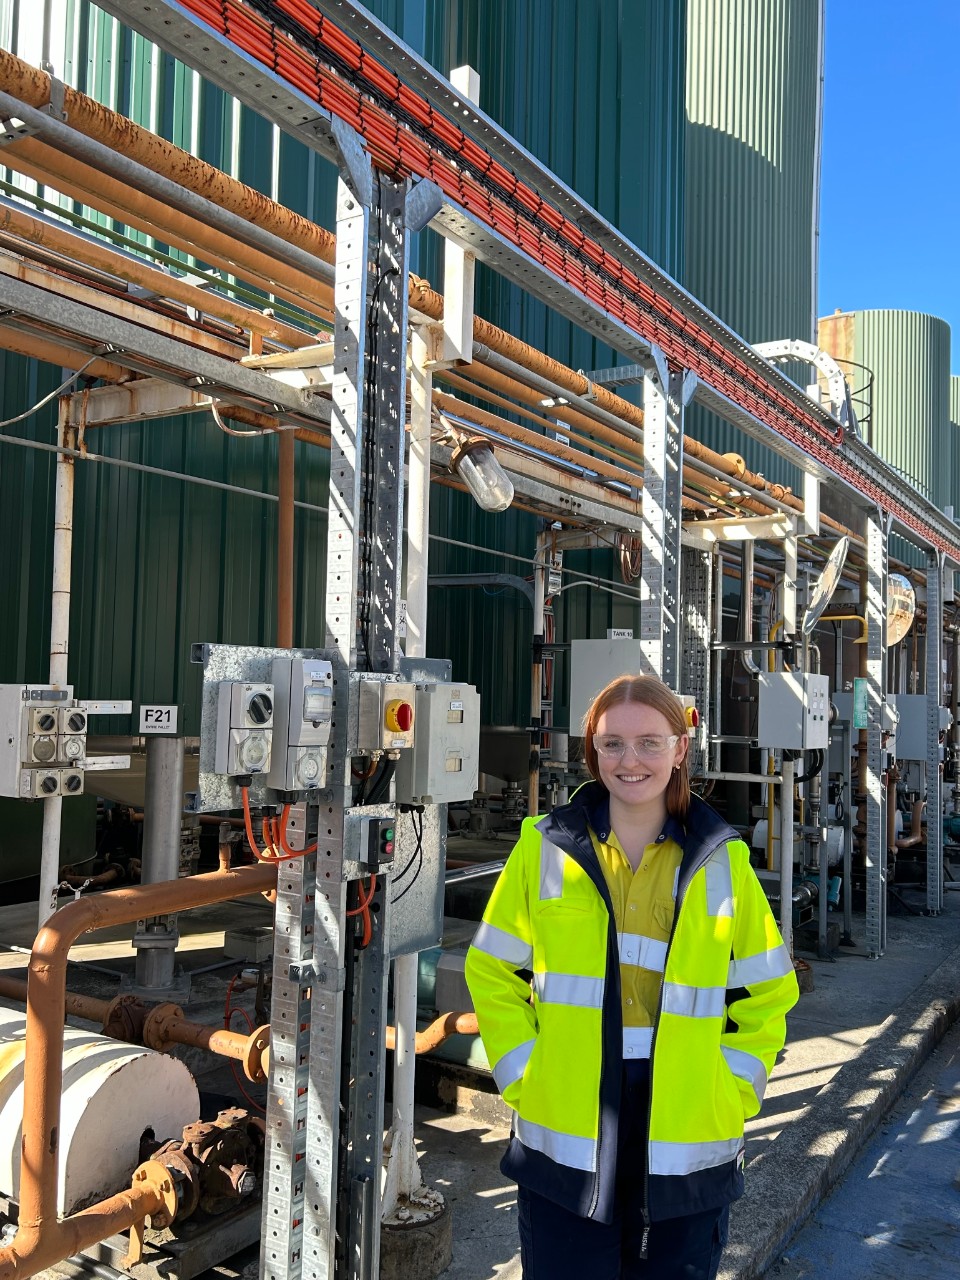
(794, 711)
(443, 764)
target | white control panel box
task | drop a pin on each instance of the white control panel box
(444, 764)
(43, 742)
(593, 664)
(794, 711)
(244, 727)
(302, 716)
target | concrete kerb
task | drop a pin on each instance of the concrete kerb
(786, 1182)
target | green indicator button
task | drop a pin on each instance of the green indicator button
(388, 834)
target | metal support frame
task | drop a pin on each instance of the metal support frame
(666, 393)
(876, 800)
(156, 939)
(934, 777)
(696, 601)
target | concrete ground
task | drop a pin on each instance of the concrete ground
(854, 1044)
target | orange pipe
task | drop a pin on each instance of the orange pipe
(153, 217)
(41, 1239)
(98, 256)
(442, 1028)
(32, 86)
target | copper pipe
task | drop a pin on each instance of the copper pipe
(286, 462)
(100, 257)
(99, 122)
(442, 1028)
(153, 217)
(41, 1239)
(916, 832)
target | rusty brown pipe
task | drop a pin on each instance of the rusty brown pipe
(41, 1239)
(915, 836)
(442, 1028)
(159, 1027)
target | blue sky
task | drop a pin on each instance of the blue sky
(890, 197)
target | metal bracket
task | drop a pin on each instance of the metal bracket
(14, 130)
(658, 361)
(689, 387)
(354, 161)
(329, 979)
(55, 105)
(424, 202)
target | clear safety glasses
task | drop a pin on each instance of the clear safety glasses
(613, 747)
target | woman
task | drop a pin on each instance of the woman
(660, 989)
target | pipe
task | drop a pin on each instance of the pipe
(59, 645)
(442, 1028)
(156, 944)
(41, 1239)
(536, 671)
(75, 247)
(125, 1018)
(162, 157)
(786, 853)
(149, 214)
(916, 827)
(286, 463)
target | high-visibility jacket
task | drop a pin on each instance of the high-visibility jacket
(557, 1053)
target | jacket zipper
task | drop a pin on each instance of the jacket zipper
(645, 1210)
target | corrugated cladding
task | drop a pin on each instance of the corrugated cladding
(752, 163)
(953, 496)
(908, 353)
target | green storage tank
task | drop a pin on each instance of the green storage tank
(751, 195)
(953, 496)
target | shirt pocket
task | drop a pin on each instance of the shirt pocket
(663, 912)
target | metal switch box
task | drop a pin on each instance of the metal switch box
(444, 763)
(244, 727)
(794, 711)
(387, 715)
(303, 712)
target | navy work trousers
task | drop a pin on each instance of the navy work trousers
(558, 1245)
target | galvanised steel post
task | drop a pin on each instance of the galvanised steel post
(876, 849)
(162, 815)
(934, 656)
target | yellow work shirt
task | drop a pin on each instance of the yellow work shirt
(643, 906)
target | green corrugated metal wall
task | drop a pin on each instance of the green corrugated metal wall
(751, 195)
(556, 75)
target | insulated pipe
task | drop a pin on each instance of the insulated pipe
(286, 552)
(122, 135)
(41, 1240)
(122, 266)
(162, 815)
(121, 168)
(150, 215)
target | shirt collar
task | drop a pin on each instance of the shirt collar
(599, 819)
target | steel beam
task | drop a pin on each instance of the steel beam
(932, 685)
(876, 800)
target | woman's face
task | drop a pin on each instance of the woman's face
(639, 776)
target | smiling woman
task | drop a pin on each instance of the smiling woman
(659, 992)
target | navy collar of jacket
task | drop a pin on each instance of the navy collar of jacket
(568, 826)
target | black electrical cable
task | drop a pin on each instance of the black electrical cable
(816, 765)
(381, 783)
(417, 856)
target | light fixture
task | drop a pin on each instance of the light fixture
(474, 462)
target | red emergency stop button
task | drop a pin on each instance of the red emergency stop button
(398, 716)
(693, 717)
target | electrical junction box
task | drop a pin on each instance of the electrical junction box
(387, 715)
(302, 717)
(41, 729)
(380, 845)
(794, 711)
(911, 727)
(244, 727)
(444, 763)
(593, 664)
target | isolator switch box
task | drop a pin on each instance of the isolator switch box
(244, 727)
(303, 713)
(387, 715)
(444, 763)
(794, 711)
(33, 742)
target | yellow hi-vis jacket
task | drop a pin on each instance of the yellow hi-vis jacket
(557, 1054)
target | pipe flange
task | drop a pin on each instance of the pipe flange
(256, 1056)
(124, 1019)
(159, 1179)
(156, 1028)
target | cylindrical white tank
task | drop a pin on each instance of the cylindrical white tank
(112, 1093)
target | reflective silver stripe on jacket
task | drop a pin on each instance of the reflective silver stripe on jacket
(551, 870)
(746, 1067)
(693, 1002)
(637, 1042)
(569, 988)
(775, 963)
(638, 949)
(512, 1065)
(503, 946)
(719, 884)
(688, 1157)
(577, 1153)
